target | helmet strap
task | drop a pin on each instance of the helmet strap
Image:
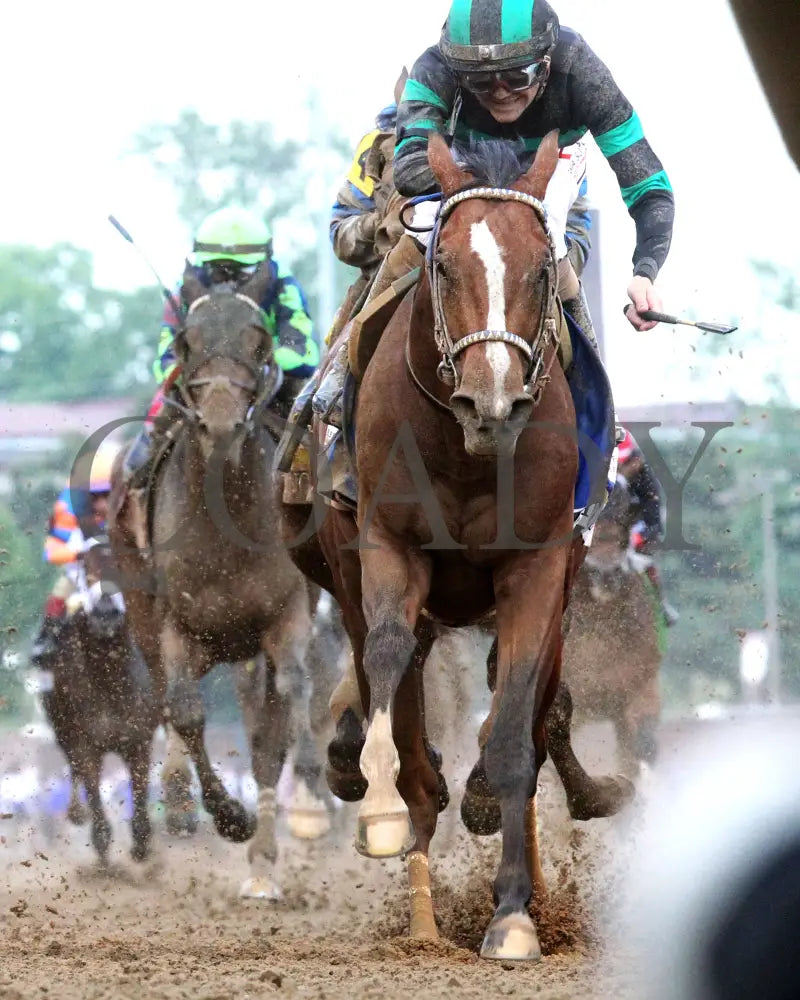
(542, 76)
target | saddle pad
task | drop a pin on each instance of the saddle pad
(594, 413)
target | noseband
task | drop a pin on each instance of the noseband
(263, 385)
(538, 373)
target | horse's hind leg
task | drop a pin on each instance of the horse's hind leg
(187, 715)
(101, 828)
(587, 797)
(138, 760)
(287, 645)
(180, 809)
(266, 720)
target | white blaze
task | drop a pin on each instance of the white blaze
(485, 246)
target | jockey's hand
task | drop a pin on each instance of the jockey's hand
(642, 293)
(638, 541)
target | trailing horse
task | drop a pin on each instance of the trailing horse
(612, 648)
(476, 517)
(207, 579)
(102, 699)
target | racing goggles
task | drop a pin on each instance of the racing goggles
(519, 78)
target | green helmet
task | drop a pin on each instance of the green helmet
(232, 234)
(497, 34)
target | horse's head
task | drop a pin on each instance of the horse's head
(607, 566)
(102, 602)
(223, 347)
(493, 282)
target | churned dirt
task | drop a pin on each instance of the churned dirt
(175, 928)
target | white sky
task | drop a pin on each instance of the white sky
(79, 79)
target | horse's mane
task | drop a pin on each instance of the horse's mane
(492, 162)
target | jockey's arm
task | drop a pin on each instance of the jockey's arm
(60, 546)
(618, 132)
(578, 234)
(355, 215)
(425, 107)
(296, 350)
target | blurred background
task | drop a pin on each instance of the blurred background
(161, 117)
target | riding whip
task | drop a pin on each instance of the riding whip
(168, 295)
(659, 317)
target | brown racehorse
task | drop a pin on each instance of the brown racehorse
(477, 516)
(223, 588)
(102, 700)
(611, 648)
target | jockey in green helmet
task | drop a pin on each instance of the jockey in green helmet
(229, 245)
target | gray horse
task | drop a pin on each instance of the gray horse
(206, 576)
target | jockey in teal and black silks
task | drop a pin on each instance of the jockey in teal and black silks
(505, 69)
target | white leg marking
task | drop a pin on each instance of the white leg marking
(485, 246)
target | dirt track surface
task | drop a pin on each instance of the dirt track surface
(176, 928)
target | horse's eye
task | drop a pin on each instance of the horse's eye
(442, 265)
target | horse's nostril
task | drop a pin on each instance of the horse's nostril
(520, 409)
(464, 406)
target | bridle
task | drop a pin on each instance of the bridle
(264, 382)
(538, 370)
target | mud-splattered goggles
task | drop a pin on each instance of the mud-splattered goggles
(519, 78)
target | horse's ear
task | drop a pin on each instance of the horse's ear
(191, 286)
(258, 284)
(449, 176)
(537, 178)
(400, 85)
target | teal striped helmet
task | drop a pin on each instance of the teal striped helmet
(497, 34)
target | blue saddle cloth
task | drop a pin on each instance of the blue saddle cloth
(594, 412)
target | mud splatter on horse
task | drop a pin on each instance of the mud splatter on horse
(102, 700)
(436, 537)
(220, 587)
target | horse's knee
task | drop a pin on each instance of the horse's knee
(185, 705)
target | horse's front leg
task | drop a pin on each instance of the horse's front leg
(180, 809)
(529, 593)
(184, 660)
(395, 585)
(267, 723)
(286, 643)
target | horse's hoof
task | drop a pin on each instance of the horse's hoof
(480, 814)
(349, 786)
(384, 836)
(344, 750)
(308, 824)
(260, 887)
(605, 798)
(511, 938)
(234, 822)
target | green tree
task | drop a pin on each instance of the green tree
(63, 339)
(244, 162)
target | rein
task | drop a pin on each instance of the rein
(263, 386)
(538, 372)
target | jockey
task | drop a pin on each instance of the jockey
(635, 475)
(504, 69)
(364, 231)
(79, 513)
(229, 245)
